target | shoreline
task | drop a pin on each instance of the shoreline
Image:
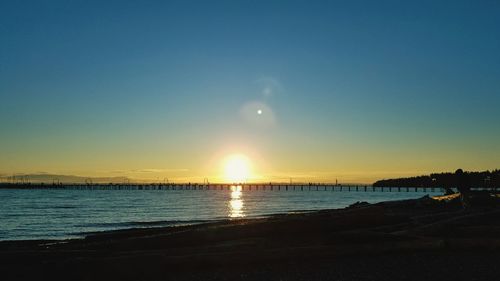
(195, 222)
(418, 238)
(124, 218)
(83, 235)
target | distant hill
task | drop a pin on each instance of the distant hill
(52, 178)
(475, 179)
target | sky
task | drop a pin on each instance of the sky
(304, 90)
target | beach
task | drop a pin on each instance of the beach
(410, 239)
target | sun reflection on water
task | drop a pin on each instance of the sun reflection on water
(236, 202)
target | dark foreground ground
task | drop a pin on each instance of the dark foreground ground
(422, 239)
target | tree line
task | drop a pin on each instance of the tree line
(447, 180)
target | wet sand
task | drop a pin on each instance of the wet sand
(422, 239)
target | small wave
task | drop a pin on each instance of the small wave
(55, 207)
(66, 207)
(141, 223)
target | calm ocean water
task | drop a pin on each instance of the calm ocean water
(60, 214)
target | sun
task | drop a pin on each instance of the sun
(237, 168)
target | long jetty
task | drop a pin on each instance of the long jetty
(225, 186)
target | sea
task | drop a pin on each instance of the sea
(27, 214)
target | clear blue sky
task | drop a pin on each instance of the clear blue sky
(354, 90)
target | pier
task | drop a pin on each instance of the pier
(226, 186)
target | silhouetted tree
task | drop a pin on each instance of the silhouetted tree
(445, 180)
